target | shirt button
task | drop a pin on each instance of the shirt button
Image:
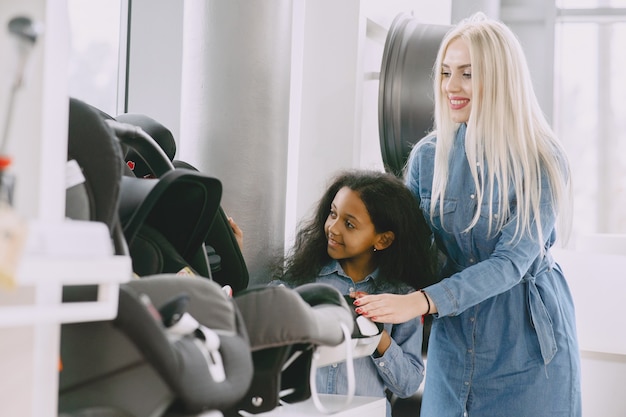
(466, 383)
(351, 289)
(381, 364)
(472, 319)
(334, 365)
(471, 260)
(469, 351)
(472, 196)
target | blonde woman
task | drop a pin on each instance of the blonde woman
(493, 182)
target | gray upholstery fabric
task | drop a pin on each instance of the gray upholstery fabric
(97, 412)
(278, 316)
(209, 304)
(284, 326)
(180, 363)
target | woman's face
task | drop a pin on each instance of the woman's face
(456, 80)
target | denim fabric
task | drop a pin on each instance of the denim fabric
(400, 369)
(503, 342)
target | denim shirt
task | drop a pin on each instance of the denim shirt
(505, 316)
(400, 369)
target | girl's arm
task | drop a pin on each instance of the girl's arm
(401, 366)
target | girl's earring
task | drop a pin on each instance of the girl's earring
(375, 249)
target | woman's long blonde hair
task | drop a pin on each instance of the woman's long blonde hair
(507, 133)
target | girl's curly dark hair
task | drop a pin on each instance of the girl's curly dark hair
(410, 259)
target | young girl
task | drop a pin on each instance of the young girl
(493, 182)
(368, 236)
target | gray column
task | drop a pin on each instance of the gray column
(235, 113)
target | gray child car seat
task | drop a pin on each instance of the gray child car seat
(133, 365)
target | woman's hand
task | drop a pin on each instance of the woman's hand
(391, 308)
(385, 338)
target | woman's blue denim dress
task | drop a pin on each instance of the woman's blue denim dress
(503, 342)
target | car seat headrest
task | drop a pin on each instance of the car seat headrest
(161, 134)
(91, 145)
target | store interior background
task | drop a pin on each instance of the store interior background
(284, 95)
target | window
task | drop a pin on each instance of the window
(590, 86)
(97, 53)
(569, 5)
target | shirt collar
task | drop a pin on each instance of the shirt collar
(334, 267)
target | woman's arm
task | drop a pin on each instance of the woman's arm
(505, 268)
(394, 308)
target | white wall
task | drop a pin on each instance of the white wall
(533, 23)
(594, 268)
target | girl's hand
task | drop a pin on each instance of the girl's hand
(237, 231)
(384, 343)
(391, 308)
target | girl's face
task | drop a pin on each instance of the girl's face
(349, 229)
(456, 80)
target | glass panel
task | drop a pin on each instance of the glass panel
(616, 125)
(94, 55)
(588, 82)
(589, 4)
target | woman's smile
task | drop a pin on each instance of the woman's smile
(457, 103)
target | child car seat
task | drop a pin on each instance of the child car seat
(133, 365)
(226, 261)
(163, 221)
(313, 317)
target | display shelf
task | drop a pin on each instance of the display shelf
(32, 311)
(359, 407)
(47, 276)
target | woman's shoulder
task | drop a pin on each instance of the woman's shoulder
(421, 158)
(424, 146)
(427, 141)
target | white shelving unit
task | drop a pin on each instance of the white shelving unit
(31, 314)
(359, 407)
